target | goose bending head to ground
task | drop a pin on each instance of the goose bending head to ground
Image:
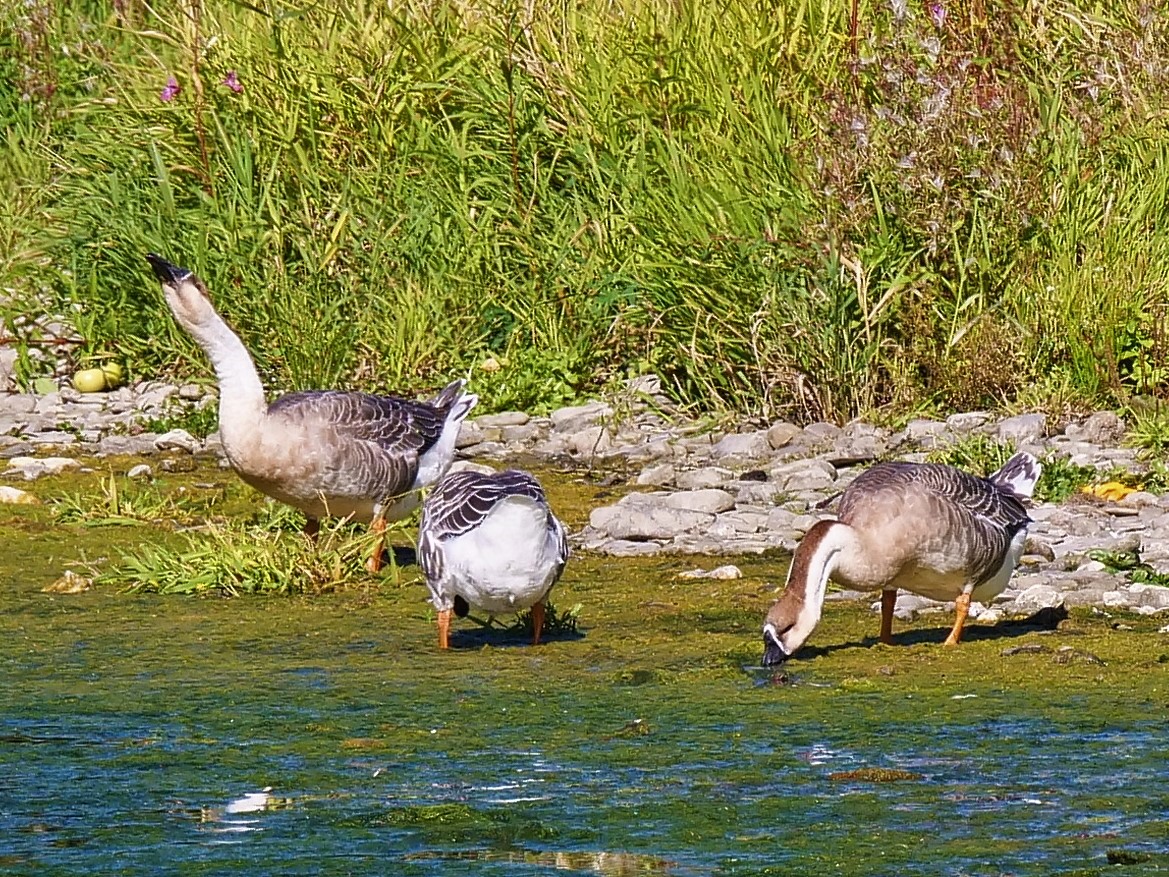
(324, 452)
(490, 541)
(921, 527)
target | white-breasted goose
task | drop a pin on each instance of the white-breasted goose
(490, 541)
(921, 527)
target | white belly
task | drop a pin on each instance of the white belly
(505, 564)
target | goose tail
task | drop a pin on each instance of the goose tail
(1019, 474)
(457, 403)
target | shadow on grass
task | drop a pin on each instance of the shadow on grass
(1044, 619)
(501, 636)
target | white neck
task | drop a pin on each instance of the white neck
(242, 404)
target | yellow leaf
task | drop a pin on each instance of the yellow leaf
(1112, 491)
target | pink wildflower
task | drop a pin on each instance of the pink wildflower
(171, 91)
(937, 14)
(232, 82)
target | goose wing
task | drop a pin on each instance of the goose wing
(390, 422)
(963, 515)
(462, 501)
(371, 443)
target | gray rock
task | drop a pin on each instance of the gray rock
(1037, 597)
(32, 468)
(627, 548)
(470, 433)
(745, 520)
(177, 440)
(50, 404)
(707, 476)
(517, 434)
(1103, 428)
(129, 445)
(590, 441)
(722, 573)
(503, 418)
(8, 357)
(190, 392)
(859, 448)
(920, 429)
(576, 417)
(757, 492)
(781, 433)
(1152, 597)
(965, 423)
(909, 606)
(711, 500)
(631, 522)
(743, 445)
(821, 433)
(16, 448)
(142, 470)
(17, 403)
(803, 475)
(656, 476)
(152, 397)
(644, 452)
(53, 437)
(1022, 428)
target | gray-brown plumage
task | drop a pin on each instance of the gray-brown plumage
(324, 452)
(926, 528)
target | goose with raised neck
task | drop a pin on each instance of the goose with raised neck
(324, 452)
(928, 528)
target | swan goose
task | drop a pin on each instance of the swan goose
(324, 452)
(922, 527)
(490, 540)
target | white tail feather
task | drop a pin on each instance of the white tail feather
(1019, 474)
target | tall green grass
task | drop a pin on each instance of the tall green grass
(776, 217)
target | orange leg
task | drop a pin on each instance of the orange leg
(444, 628)
(375, 560)
(537, 622)
(962, 605)
(888, 602)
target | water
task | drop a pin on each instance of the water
(121, 754)
(147, 735)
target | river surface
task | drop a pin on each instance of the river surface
(142, 734)
(132, 741)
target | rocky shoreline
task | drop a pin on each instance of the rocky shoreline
(696, 488)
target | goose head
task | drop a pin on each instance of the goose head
(186, 295)
(789, 623)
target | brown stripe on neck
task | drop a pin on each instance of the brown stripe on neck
(786, 610)
(797, 579)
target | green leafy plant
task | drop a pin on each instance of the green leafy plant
(121, 502)
(232, 559)
(808, 213)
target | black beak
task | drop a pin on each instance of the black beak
(165, 271)
(773, 652)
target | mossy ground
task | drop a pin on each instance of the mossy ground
(639, 621)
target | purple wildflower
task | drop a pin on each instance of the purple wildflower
(937, 14)
(232, 81)
(171, 91)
